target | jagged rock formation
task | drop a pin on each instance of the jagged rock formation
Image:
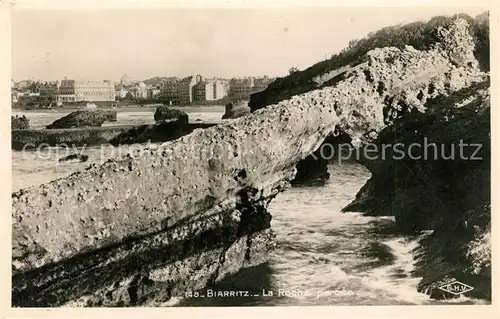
(236, 109)
(161, 221)
(165, 114)
(85, 118)
(19, 122)
(162, 131)
(441, 186)
(474, 45)
(419, 35)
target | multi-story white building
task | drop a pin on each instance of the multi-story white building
(125, 80)
(86, 91)
(154, 93)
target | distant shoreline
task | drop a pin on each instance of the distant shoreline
(135, 108)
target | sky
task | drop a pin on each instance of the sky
(99, 44)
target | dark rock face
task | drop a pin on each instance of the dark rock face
(86, 118)
(77, 137)
(419, 35)
(236, 109)
(79, 157)
(313, 170)
(19, 122)
(30, 139)
(176, 217)
(165, 113)
(154, 133)
(441, 186)
(437, 77)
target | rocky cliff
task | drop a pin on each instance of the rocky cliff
(165, 113)
(85, 118)
(162, 221)
(19, 122)
(443, 185)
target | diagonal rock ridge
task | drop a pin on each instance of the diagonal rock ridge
(151, 225)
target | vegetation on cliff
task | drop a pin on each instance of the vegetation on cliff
(419, 35)
(154, 133)
(449, 194)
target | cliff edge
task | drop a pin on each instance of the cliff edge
(153, 224)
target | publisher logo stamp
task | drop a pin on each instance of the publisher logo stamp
(456, 288)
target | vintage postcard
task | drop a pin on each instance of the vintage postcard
(195, 157)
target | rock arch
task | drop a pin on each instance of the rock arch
(155, 223)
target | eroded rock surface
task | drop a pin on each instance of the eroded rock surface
(155, 223)
(85, 118)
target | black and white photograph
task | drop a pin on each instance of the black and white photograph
(250, 156)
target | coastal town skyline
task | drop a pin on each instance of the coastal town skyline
(184, 42)
(194, 89)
